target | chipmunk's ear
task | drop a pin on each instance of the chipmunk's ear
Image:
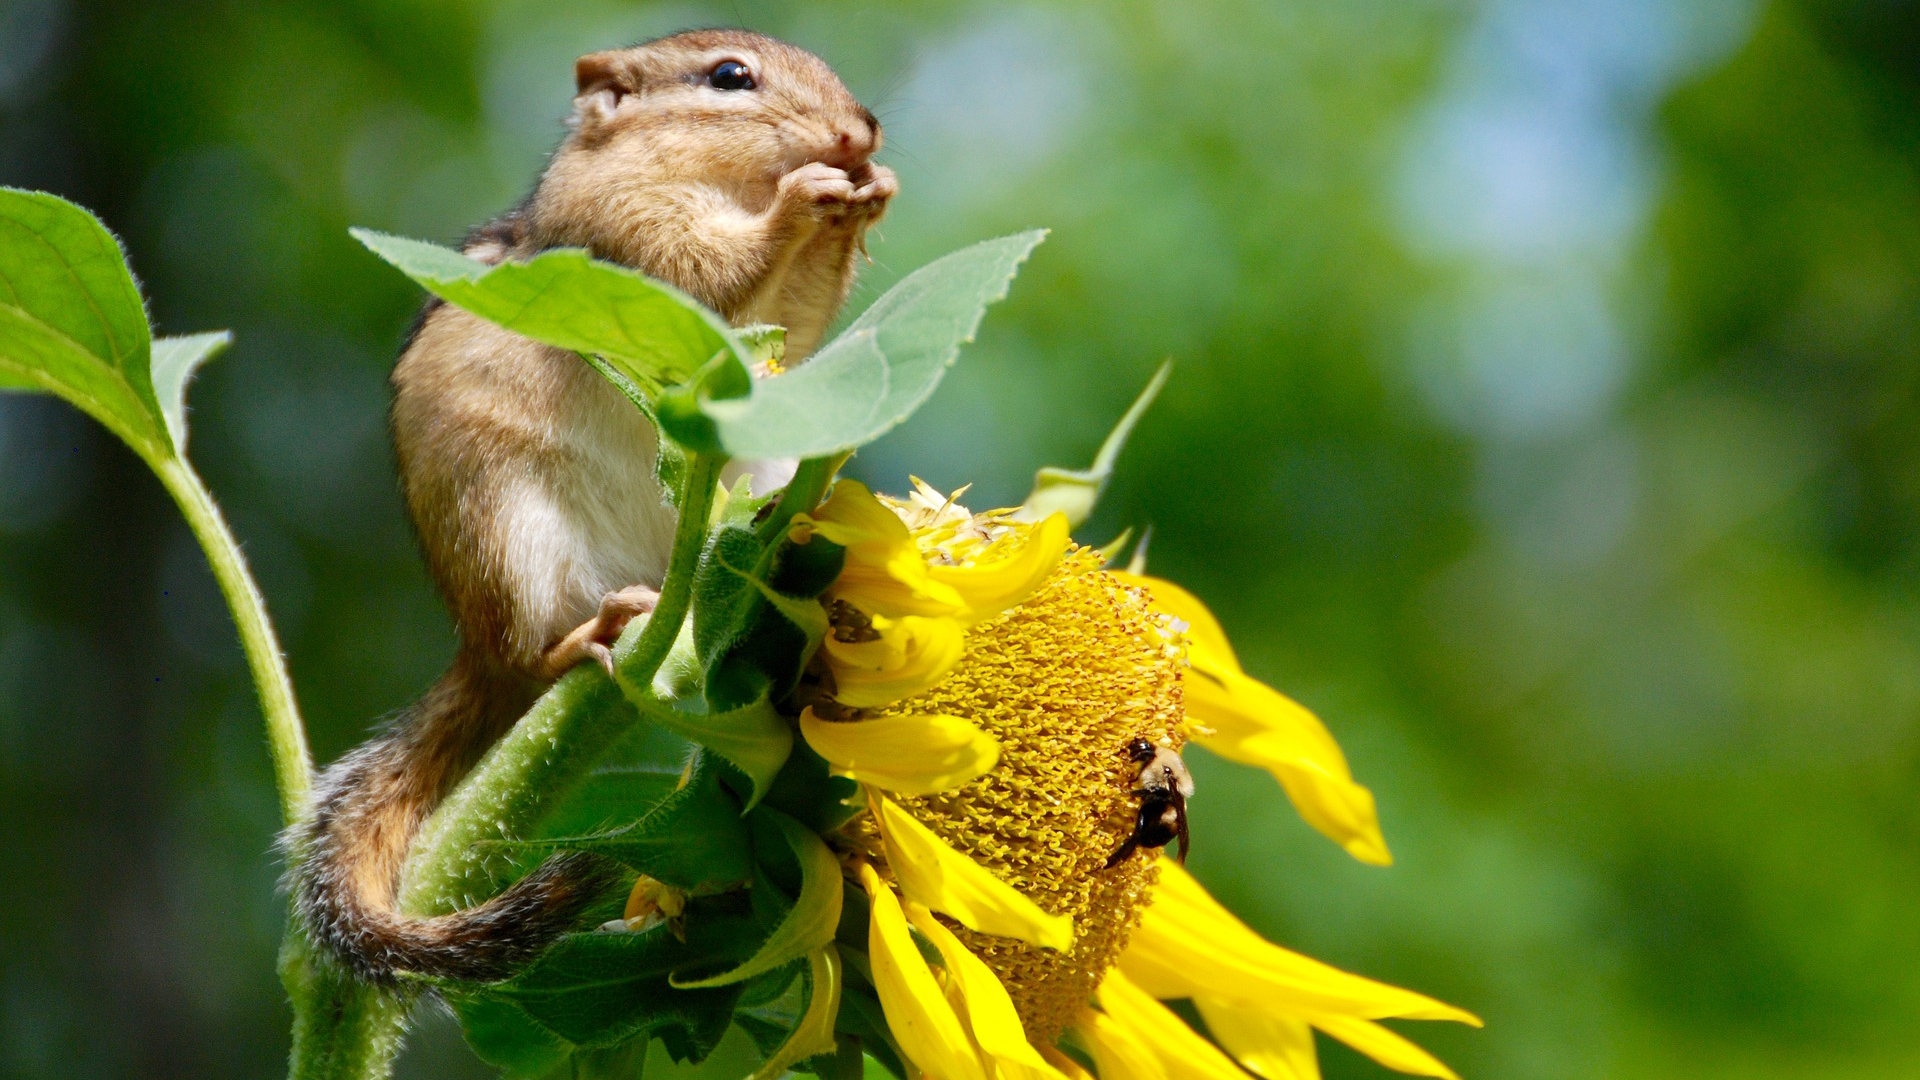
(603, 79)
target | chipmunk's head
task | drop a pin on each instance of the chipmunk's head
(724, 106)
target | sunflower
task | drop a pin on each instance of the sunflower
(982, 678)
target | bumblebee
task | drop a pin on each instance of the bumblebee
(1165, 787)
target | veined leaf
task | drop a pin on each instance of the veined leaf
(693, 837)
(810, 922)
(601, 989)
(71, 320)
(867, 380)
(610, 797)
(647, 330)
(507, 1038)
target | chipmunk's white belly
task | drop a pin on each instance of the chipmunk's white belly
(616, 514)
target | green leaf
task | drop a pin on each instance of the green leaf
(609, 798)
(71, 320)
(175, 360)
(507, 1038)
(601, 989)
(692, 838)
(647, 330)
(1075, 492)
(626, 1061)
(810, 922)
(867, 380)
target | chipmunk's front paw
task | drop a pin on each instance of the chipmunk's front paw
(873, 186)
(816, 189)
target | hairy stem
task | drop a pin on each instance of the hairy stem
(286, 735)
(343, 1029)
(559, 740)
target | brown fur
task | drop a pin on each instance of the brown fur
(531, 481)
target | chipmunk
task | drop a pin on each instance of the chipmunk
(727, 163)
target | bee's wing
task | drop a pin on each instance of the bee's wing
(1180, 816)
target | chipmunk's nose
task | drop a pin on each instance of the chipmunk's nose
(853, 146)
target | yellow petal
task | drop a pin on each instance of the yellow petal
(852, 517)
(1270, 1045)
(1118, 1053)
(1182, 1052)
(1256, 725)
(928, 1030)
(932, 873)
(897, 585)
(913, 753)
(1203, 630)
(1383, 1046)
(885, 572)
(909, 657)
(1190, 946)
(988, 1012)
(991, 586)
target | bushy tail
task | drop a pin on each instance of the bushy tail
(367, 807)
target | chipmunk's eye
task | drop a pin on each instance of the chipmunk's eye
(731, 75)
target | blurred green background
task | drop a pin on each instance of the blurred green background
(1545, 417)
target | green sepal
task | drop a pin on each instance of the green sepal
(1111, 550)
(752, 638)
(652, 333)
(723, 598)
(754, 738)
(766, 342)
(769, 987)
(807, 791)
(692, 837)
(1075, 492)
(767, 1035)
(810, 921)
(811, 1036)
(856, 920)
(864, 382)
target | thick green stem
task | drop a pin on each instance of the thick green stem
(286, 736)
(559, 740)
(343, 1029)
